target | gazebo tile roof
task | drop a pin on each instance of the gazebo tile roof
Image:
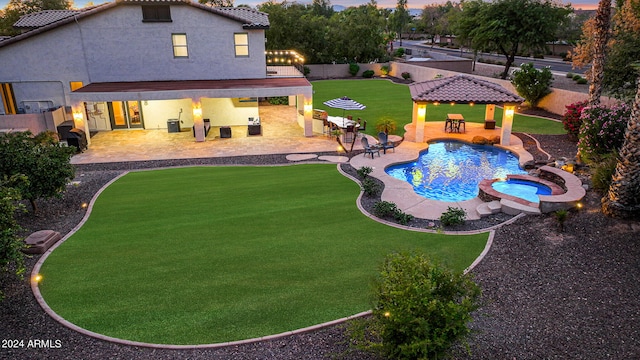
(462, 89)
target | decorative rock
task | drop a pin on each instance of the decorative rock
(40, 241)
(480, 140)
(494, 139)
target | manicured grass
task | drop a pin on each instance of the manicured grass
(386, 99)
(214, 254)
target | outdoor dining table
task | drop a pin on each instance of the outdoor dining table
(453, 122)
(342, 123)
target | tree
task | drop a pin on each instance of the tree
(511, 26)
(17, 8)
(623, 198)
(217, 3)
(44, 163)
(602, 23)
(532, 84)
(11, 256)
(435, 20)
(400, 17)
(619, 75)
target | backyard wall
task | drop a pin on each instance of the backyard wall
(36, 123)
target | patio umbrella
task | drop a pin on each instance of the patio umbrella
(344, 103)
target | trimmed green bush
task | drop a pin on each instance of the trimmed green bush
(453, 216)
(576, 77)
(353, 69)
(406, 75)
(569, 75)
(581, 81)
(385, 69)
(364, 171)
(368, 74)
(422, 307)
(370, 187)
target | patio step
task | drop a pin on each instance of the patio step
(489, 208)
(513, 208)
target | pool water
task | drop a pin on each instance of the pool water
(452, 170)
(523, 189)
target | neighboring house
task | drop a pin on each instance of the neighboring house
(138, 64)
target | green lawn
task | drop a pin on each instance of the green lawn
(213, 254)
(386, 99)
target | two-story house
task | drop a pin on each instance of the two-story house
(141, 63)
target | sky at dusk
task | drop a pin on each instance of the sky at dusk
(416, 4)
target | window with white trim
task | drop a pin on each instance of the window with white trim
(179, 45)
(241, 42)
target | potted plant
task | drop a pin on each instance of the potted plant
(386, 125)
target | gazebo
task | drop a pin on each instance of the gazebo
(462, 89)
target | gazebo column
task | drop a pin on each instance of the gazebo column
(308, 114)
(507, 124)
(489, 112)
(418, 118)
(198, 122)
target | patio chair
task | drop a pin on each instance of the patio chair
(384, 142)
(369, 149)
(362, 127)
(349, 133)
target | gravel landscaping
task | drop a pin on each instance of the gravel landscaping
(547, 293)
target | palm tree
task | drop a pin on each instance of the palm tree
(600, 40)
(623, 198)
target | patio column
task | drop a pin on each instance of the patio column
(198, 123)
(507, 124)
(418, 118)
(489, 112)
(79, 119)
(308, 114)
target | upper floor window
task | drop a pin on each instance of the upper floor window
(241, 42)
(156, 13)
(179, 45)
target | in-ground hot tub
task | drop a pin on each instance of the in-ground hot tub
(523, 189)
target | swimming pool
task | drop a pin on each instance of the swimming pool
(452, 170)
(528, 190)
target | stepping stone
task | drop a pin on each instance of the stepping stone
(489, 208)
(301, 157)
(40, 241)
(335, 159)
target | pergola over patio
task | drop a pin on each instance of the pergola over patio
(461, 89)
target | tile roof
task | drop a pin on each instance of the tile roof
(462, 89)
(142, 86)
(42, 18)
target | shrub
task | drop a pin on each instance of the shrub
(279, 100)
(386, 125)
(384, 209)
(399, 52)
(406, 75)
(602, 130)
(581, 81)
(453, 216)
(421, 307)
(353, 69)
(569, 75)
(368, 73)
(385, 69)
(602, 172)
(532, 84)
(370, 187)
(11, 256)
(576, 77)
(571, 118)
(364, 171)
(306, 71)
